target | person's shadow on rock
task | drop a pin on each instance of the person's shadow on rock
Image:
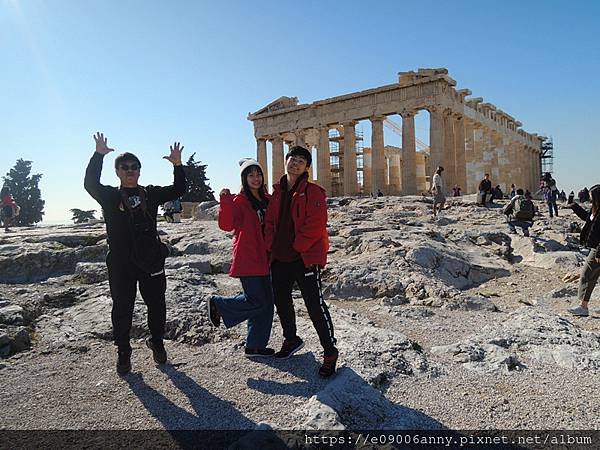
(210, 412)
(304, 366)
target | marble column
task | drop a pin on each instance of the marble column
(470, 185)
(449, 156)
(323, 160)
(534, 179)
(377, 157)
(479, 140)
(350, 181)
(409, 153)
(393, 163)
(277, 159)
(436, 141)
(261, 157)
(460, 155)
(496, 140)
(488, 152)
(300, 138)
(367, 171)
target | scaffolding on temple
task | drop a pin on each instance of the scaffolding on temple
(336, 159)
(547, 156)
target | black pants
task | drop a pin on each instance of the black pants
(309, 281)
(123, 277)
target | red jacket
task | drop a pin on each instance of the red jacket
(249, 252)
(309, 213)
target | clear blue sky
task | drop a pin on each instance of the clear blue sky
(147, 73)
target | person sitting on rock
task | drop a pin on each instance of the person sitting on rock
(520, 212)
(485, 190)
(437, 189)
(296, 236)
(456, 191)
(590, 237)
(244, 214)
(136, 254)
(8, 209)
(168, 211)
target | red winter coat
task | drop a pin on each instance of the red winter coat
(309, 213)
(249, 252)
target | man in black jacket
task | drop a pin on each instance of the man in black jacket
(136, 254)
(485, 189)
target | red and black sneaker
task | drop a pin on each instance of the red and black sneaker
(329, 362)
(214, 317)
(289, 347)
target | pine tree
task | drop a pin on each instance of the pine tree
(24, 189)
(197, 188)
(81, 216)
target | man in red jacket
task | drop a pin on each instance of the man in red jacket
(296, 237)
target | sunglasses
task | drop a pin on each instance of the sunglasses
(126, 167)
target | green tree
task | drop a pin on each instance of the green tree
(24, 188)
(198, 189)
(81, 216)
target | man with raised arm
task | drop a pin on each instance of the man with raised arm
(136, 255)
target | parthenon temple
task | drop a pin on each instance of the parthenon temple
(467, 136)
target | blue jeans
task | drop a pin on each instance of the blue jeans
(551, 200)
(255, 305)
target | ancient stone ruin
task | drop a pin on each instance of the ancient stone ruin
(466, 135)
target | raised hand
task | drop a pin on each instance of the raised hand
(101, 146)
(175, 156)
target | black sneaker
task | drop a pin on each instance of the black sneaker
(158, 351)
(214, 317)
(289, 347)
(124, 361)
(258, 352)
(329, 362)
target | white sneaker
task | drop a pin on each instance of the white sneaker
(579, 311)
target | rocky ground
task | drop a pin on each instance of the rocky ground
(446, 323)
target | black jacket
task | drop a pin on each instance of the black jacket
(590, 234)
(118, 227)
(485, 185)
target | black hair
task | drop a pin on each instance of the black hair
(300, 151)
(256, 204)
(126, 157)
(440, 169)
(520, 191)
(595, 196)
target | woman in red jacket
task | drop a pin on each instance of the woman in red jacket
(244, 215)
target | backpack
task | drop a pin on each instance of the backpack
(523, 209)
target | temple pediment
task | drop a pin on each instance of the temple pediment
(281, 103)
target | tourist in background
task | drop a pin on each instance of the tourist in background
(8, 209)
(437, 189)
(485, 190)
(244, 214)
(520, 212)
(590, 237)
(456, 191)
(550, 192)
